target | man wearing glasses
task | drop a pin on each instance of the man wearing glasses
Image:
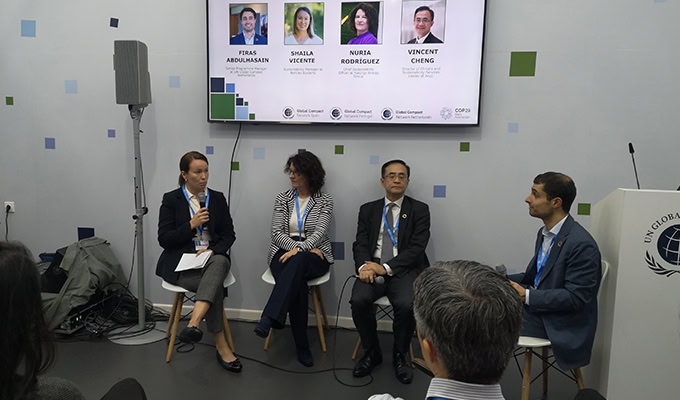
(389, 254)
(423, 19)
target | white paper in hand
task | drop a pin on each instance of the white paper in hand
(192, 261)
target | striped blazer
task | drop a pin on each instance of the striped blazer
(315, 226)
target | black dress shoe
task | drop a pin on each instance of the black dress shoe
(305, 357)
(365, 365)
(402, 370)
(190, 335)
(234, 366)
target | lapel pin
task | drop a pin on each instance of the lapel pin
(403, 216)
(559, 244)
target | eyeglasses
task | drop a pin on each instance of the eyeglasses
(295, 173)
(393, 175)
(423, 20)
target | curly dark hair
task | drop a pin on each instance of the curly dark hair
(371, 14)
(26, 346)
(309, 165)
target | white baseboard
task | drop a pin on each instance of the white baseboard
(238, 314)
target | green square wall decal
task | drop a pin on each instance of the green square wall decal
(235, 166)
(339, 149)
(583, 208)
(464, 146)
(523, 63)
(9, 100)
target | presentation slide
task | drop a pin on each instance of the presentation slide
(377, 62)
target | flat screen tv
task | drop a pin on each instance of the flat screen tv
(348, 62)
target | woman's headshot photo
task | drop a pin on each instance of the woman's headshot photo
(360, 23)
(303, 23)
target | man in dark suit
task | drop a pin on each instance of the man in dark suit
(559, 287)
(389, 253)
(423, 19)
(248, 19)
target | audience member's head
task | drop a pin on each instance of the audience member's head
(468, 318)
(25, 346)
(557, 185)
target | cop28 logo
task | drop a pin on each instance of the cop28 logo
(667, 245)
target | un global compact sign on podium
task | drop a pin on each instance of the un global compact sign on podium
(637, 346)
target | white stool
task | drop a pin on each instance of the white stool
(317, 299)
(176, 313)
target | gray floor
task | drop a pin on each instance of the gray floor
(96, 365)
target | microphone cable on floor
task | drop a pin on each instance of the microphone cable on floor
(185, 348)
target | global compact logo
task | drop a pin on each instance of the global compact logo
(663, 241)
(288, 112)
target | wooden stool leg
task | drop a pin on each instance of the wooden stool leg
(230, 341)
(410, 352)
(356, 349)
(317, 313)
(171, 318)
(269, 338)
(526, 374)
(545, 372)
(175, 324)
(323, 307)
(579, 378)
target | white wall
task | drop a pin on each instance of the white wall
(606, 75)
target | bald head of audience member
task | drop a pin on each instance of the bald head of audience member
(468, 318)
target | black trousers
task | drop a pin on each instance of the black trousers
(399, 290)
(290, 292)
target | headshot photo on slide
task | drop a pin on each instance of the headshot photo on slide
(248, 24)
(303, 23)
(360, 22)
(423, 22)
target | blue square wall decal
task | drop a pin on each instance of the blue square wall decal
(242, 113)
(28, 28)
(50, 143)
(258, 153)
(84, 233)
(231, 88)
(439, 191)
(111, 133)
(513, 127)
(338, 249)
(71, 86)
(113, 22)
(374, 160)
(209, 150)
(173, 82)
(217, 85)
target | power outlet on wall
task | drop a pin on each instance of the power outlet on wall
(11, 206)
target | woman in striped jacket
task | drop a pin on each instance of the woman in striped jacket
(300, 249)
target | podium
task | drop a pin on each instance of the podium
(637, 346)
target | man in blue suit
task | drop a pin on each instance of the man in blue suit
(248, 19)
(559, 287)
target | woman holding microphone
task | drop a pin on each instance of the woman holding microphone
(195, 219)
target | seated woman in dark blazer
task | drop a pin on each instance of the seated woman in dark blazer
(300, 249)
(186, 227)
(26, 347)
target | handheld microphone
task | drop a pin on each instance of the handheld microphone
(502, 270)
(379, 280)
(201, 199)
(632, 156)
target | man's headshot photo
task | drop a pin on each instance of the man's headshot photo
(248, 23)
(418, 22)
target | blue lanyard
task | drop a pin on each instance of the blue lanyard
(297, 209)
(207, 201)
(541, 260)
(387, 226)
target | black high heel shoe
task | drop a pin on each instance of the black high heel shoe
(234, 366)
(190, 335)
